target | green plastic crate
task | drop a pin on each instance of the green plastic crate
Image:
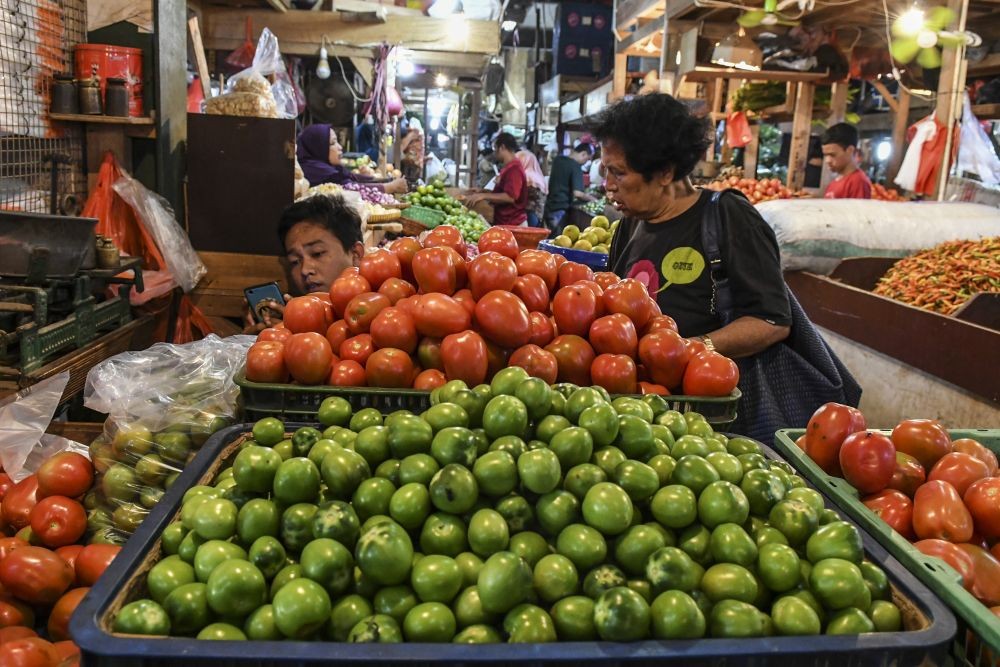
(429, 217)
(292, 401)
(974, 618)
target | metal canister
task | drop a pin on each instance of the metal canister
(64, 95)
(116, 98)
(108, 256)
(90, 95)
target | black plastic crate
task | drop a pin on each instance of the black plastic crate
(124, 581)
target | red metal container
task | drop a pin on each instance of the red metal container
(112, 62)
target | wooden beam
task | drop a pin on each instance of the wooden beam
(801, 124)
(170, 90)
(951, 88)
(750, 152)
(628, 12)
(886, 95)
(899, 125)
(640, 34)
(300, 32)
(199, 56)
(620, 80)
(278, 5)
(365, 68)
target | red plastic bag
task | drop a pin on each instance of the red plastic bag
(737, 130)
(242, 57)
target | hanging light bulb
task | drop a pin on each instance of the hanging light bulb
(323, 68)
(911, 22)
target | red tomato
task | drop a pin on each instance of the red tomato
(15, 632)
(439, 315)
(58, 521)
(65, 474)
(868, 460)
(694, 346)
(614, 372)
(308, 357)
(379, 266)
(307, 313)
(15, 613)
(938, 512)
(496, 358)
(710, 374)
(446, 236)
(574, 309)
(347, 373)
(35, 575)
(408, 304)
(614, 334)
(429, 353)
(358, 349)
(389, 367)
(405, 248)
(665, 356)
(69, 653)
(18, 501)
(489, 272)
(346, 288)
(500, 241)
(574, 356)
(461, 268)
(464, 356)
(959, 561)
(434, 270)
(538, 362)
(894, 508)
(8, 544)
(559, 260)
(654, 307)
(983, 500)
(274, 334)
(970, 446)
(630, 298)
(503, 319)
(266, 362)
(93, 560)
(62, 611)
(362, 309)
(29, 652)
(606, 279)
(429, 379)
(337, 333)
(464, 297)
(69, 554)
(826, 431)
(533, 291)
(800, 442)
(653, 388)
(924, 439)
(986, 574)
(908, 474)
(539, 263)
(542, 329)
(571, 272)
(394, 328)
(960, 470)
(658, 323)
(395, 289)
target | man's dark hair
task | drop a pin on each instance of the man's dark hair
(329, 211)
(584, 147)
(657, 133)
(842, 134)
(506, 140)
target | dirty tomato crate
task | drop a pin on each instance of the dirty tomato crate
(301, 402)
(930, 625)
(977, 640)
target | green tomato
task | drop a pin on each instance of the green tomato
(395, 601)
(268, 432)
(731, 544)
(634, 547)
(539, 470)
(675, 615)
(168, 575)
(495, 473)
(257, 518)
(488, 533)
(504, 582)
(722, 502)
(734, 618)
(621, 614)
(268, 555)
(213, 553)
(453, 489)
(187, 607)
(235, 588)
(296, 481)
(573, 617)
(671, 568)
(221, 632)
(260, 625)
(301, 607)
(334, 411)
(343, 471)
(443, 534)
(376, 629)
(418, 468)
(601, 422)
(527, 623)
(296, 525)
(329, 564)
(778, 567)
(608, 508)
(429, 622)
(505, 415)
(792, 616)
(516, 511)
(385, 553)
(338, 521)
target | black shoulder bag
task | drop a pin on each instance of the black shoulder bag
(783, 385)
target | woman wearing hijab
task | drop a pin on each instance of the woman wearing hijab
(537, 187)
(319, 154)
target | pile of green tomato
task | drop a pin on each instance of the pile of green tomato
(513, 512)
(469, 223)
(433, 195)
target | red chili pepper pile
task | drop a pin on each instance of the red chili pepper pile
(946, 276)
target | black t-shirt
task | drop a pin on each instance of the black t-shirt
(668, 257)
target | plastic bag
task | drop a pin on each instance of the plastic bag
(155, 215)
(267, 62)
(975, 150)
(737, 130)
(24, 416)
(162, 403)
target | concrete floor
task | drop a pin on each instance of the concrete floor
(894, 391)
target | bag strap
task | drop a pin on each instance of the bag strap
(711, 242)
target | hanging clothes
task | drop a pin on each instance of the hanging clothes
(919, 170)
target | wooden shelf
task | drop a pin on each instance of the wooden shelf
(987, 111)
(105, 120)
(711, 72)
(985, 67)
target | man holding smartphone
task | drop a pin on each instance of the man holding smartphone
(321, 237)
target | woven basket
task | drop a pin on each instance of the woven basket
(527, 238)
(392, 215)
(412, 227)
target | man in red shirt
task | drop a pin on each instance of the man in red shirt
(510, 194)
(840, 151)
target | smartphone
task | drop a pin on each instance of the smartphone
(258, 296)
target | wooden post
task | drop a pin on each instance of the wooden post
(951, 87)
(899, 124)
(750, 152)
(170, 91)
(620, 81)
(716, 93)
(199, 57)
(801, 122)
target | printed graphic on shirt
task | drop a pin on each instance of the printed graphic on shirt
(645, 273)
(681, 266)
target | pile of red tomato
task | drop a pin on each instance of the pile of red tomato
(755, 190)
(44, 572)
(417, 315)
(941, 494)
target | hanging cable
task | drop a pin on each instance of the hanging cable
(895, 70)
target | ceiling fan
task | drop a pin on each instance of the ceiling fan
(772, 13)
